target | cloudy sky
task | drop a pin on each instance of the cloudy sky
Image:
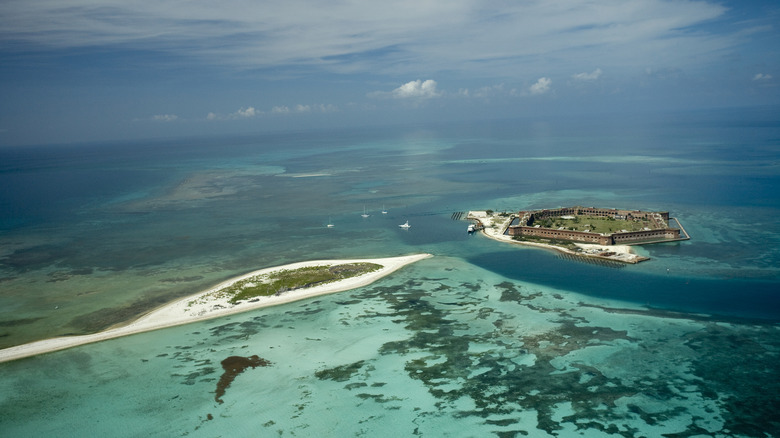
(82, 70)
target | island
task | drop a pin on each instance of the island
(262, 288)
(601, 233)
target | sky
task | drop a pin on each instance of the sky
(101, 70)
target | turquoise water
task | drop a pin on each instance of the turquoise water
(484, 339)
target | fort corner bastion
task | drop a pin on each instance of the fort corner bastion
(577, 230)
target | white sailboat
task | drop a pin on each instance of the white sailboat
(405, 225)
(330, 224)
(364, 212)
(383, 209)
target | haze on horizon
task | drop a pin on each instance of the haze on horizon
(85, 70)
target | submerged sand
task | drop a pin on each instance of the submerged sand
(210, 304)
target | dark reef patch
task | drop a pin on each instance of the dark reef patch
(235, 331)
(18, 322)
(221, 330)
(305, 312)
(511, 292)
(233, 366)
(66, 275)
(519, 370)
(471, 286)
(195, 376)
(740, 367)
(341, 373)
(23, 260)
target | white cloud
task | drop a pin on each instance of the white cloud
(283, 109)
(541, 86)
(165, 117)
(413, 90)
(241, 113)
(592, 76)
(762, 77)
(416, 90)
(246, 112)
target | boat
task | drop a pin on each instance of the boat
(405, 225)
(383, 209)
(364, 212)
(330, 225)
(470, 229)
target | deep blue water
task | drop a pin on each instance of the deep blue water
(726, 297)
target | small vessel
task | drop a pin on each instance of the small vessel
(330, 225)
(364, 212)
(470, 229)
(383, 209)
(405, 225)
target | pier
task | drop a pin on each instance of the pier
(687, 236)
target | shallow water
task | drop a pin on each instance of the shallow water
(465, 354)
(483, 339)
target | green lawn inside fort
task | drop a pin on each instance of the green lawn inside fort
(593, 224)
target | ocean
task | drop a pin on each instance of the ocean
(483, 339)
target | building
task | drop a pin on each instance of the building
(658, 229)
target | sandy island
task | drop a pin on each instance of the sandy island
(494, 229)
(210, 304)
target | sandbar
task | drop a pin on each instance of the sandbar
(208, 304)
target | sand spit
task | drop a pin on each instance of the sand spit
(209, 304)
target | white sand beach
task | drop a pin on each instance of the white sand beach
(209, 304)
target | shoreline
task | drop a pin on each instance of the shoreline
(208, 305)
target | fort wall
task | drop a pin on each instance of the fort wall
(659, 220)
(549, 233)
